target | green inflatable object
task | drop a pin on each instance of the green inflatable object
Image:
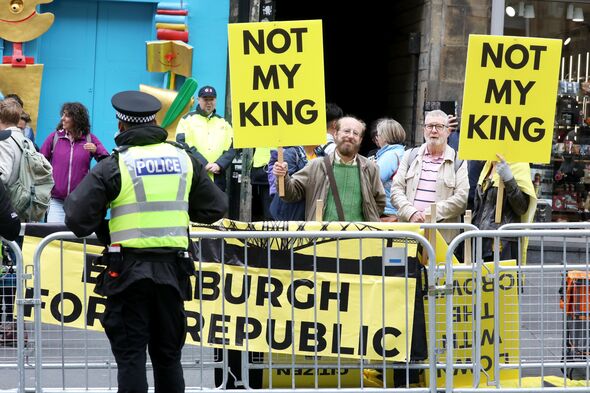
(184, 95)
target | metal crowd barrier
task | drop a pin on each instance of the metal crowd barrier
(544, 342)
(490, 326)
(298, 367)
(78, 358)
(12, 338)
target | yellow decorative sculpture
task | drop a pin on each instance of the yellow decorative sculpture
(175, 57)
(20, 22)
(166, 97)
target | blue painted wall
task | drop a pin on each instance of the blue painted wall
(97, 47)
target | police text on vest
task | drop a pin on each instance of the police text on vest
(157, 166)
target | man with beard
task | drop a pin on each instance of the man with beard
(431, 173)
(355, 192)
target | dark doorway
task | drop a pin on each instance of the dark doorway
(363, 42)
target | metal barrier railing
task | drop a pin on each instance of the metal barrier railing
(66, 364)
(312, 238)
(19, 301)
(531, 316)
(541, 339)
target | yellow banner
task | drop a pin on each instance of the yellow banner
(277, 83)
(328, 297)
(305, 312)
(509, 98)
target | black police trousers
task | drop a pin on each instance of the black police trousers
(146, 315)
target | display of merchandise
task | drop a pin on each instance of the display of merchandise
(564, 184)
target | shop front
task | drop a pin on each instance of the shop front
(563, 185)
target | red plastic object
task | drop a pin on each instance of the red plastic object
(172, 12)
(167, 34)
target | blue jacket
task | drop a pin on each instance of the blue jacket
(280, 210)
(388, 159)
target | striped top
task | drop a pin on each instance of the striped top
(426, 191)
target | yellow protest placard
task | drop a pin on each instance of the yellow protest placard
(464, 308)
(509, 98)
(277, 83)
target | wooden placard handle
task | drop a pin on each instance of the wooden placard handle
(499, 198)
(467, 250)
(281, 179)
(430, 234)
(319, 210)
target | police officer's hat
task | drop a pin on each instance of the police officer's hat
(207, 91)
(135, 106)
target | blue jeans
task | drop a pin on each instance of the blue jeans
(56, 212)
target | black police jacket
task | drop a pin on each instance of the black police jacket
(9, 221)
(87, 205)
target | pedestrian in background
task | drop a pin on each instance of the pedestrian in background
(70, 150)
(9, 221)
(390, 136)
(518, 204)
(208, 135)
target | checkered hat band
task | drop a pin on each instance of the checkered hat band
(135, 119)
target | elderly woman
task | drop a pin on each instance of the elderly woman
(390, 136)
(69, 149)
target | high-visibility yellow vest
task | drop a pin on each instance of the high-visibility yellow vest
(261, 157)
(151, 211)
(211, 136)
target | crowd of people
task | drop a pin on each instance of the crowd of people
(147, 265)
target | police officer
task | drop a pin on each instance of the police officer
(208, 135)
(153, 188)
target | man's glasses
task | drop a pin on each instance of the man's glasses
(349, 131)
(439, 127)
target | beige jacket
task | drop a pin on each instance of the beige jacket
(312, 183)
(451, 188)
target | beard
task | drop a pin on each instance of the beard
(436, 142)
(347, 148)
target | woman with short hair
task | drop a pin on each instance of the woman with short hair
(390, 136)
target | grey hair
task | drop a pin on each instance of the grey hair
(438, 113)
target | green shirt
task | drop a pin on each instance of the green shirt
(348, 181)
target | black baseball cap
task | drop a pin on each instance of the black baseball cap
(207, 91)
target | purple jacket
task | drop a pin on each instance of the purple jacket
(70, 161)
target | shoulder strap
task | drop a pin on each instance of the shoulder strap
(54, 142)
(121, 149)
(334, 188)
(176, 144)
(458, 162)
(413, 155)
(398, 161)
(21, 147)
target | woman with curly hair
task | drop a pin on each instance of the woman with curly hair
(69, 149)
